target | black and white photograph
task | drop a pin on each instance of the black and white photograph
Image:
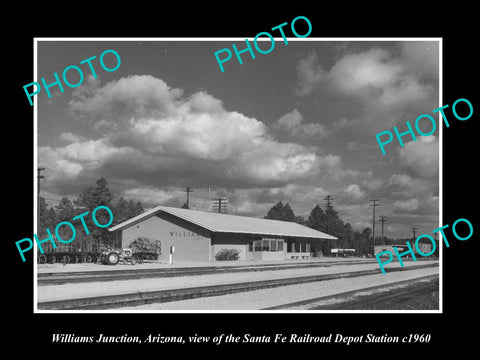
(261, 187)
(217, 181)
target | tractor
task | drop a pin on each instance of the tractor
(112, 256)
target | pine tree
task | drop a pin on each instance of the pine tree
(275, 212)
(47, 218)
(139, 208)
(91, 198)
(65, 210)
(94, 196)
(281, 212)
(317, 219)
(120, 211)
(288, 214)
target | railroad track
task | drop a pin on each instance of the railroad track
(58, 278)
(159, 296)
(374, 297)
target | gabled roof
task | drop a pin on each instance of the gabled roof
(226, 223)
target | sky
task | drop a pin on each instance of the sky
(294, 125)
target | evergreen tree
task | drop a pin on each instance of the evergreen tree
(139, 208)
(132, 209)
(288, 214)
(300, 220)
(124, 210)
(349, 239)
(47, 218)
(317, 220)
(281, 212)
(365, 244)
(275, 212)
(92, 197)
(120, 211)
(65, 210)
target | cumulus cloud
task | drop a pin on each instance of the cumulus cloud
(292, 123)
(421, 157)
(149, 130)
(406, 205)
(70, 138)
(360, 71)
(137, 94)
(379, 82)
(310, 73)
(372, 184)
(257, 201)
(354, 191)
(421, 57)
(148, 195)
(423, 205)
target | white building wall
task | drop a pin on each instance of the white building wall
(189, 243)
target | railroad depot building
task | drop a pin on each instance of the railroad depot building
(199, 235)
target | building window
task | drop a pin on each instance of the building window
(266, 245)
(273, 245)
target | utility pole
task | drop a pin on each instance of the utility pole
(209, 189)
(414, 231)
(383, 219)
(188, 191)
(328, 206)
(220, 205)
(373, 221)
(39, 176)
(328, 198)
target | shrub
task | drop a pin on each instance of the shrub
(227, 254)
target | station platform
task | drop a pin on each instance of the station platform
(46, 268)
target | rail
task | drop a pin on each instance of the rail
(159, 296)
